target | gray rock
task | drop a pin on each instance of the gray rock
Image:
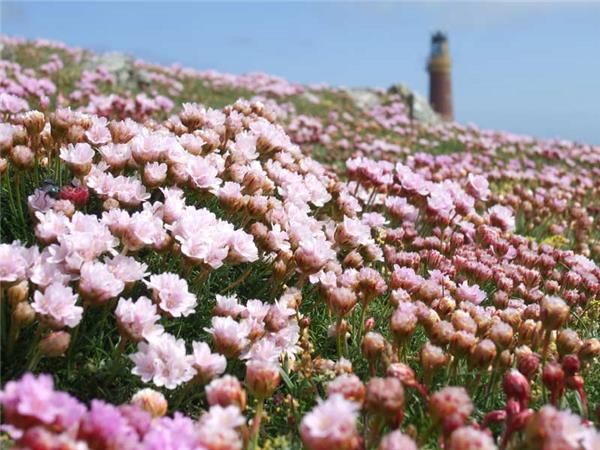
(422, 110)
(118, 64)
(364, 98)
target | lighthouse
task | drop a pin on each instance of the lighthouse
(440, 83)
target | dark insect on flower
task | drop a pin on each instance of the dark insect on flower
(50, 188)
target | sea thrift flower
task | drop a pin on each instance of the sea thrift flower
(385, 397)
(163, 360)
(468, 293)
(208, 365)
(396, 440)
(230, 337)
(502, 217)
(469, 438)
(478, 187)
(78, 157)
(219, 428)
(331, 425)
(57, 306)
(171, 294)
(150, 400)
(97, 284)
(32, 401)
(450, 407)
(226, 391)
(138, 320)
(262, 378)
(348, 385)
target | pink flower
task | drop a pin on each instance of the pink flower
(32, 401)
(440, 201)
(174, 204)
(155, 174)
(57, 305)
(138, 320)
(396, 440)
(203, 175)
(12, 104)
(163, 360)
(467, 293)
(331, 425)
(127, 269)
(227, 306)
(98, 284)
(172, 294)
(39, 201)
(241, 247)
(469, 438)
(115, 155)
(218, 428)
(478, 187)
(78, 157)
(208, 365)
(230, 337)
(50, 226)
(15, 260)
(98, 133)
(502, 217)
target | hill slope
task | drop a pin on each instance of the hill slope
(443, 276)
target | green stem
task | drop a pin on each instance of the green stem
(35, 359)
(237, 282)
(363, 312)
(256, 423)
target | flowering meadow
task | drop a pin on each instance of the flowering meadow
(196, 260)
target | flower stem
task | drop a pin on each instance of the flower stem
(256, 423)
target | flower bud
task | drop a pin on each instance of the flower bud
(402, 324)
(55, 344)
(369, 324)
(461, 320)
(22, 157)
(575, 382)
(571, 364)
(553, 377)
(502, 334)
(470, 438)
(150, 401)
(348, 385)
(432, 357)
(528, 365)
(341, 300)
(554, 312)
(226, 391)
(516, 386)
(441, 333)
(402, 372)
(385, 397)
(450, 407)
(506, 358)
(372, 345)
(23, 314)
(262, 378)
(567, 342)
(589, 350)
(18, 293)
(483, 354)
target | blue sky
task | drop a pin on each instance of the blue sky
(525, 67)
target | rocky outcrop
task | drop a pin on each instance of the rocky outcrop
(422, 110)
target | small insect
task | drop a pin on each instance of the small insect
(50, 188)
